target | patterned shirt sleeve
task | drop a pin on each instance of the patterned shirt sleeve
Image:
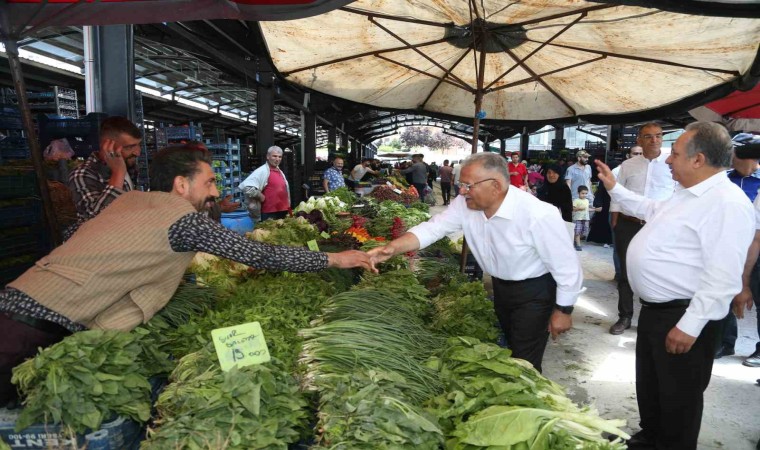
(196, 233)
(90, 190)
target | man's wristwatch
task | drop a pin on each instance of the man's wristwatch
(564, 309)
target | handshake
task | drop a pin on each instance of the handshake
(365, 260)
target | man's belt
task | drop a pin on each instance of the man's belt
(631, 219)
(39, 324)
(678, 303)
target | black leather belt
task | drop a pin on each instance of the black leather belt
(678, 303)
(632, 219)
(39, 324)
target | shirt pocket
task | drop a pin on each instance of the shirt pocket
(76, 275)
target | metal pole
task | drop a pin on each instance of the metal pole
(90, 39)
(475, 133)
(11, 49)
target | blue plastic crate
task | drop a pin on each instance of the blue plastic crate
(119, 434)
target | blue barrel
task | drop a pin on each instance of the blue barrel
(238, 221)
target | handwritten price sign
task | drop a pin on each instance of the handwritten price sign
(241, 345)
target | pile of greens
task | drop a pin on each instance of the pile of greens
(366, 358)
(368, 410)
(88, 378)
(464, 309)
(343, 194)
(254, 407)
(294, 232)
(492, 400)
(330, 207)
(282, 302)
(381, 224)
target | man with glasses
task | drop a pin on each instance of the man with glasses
(647, 175)
(520, 241)
(107, 173)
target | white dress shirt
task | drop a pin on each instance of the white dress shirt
(525, 238)
(757, 211)
(652, 179)
(693, 246)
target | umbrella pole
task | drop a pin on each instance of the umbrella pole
(11, 49)
(475, 134)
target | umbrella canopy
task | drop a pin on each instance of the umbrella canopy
(24, 16)
(739, 111)
(528, 60)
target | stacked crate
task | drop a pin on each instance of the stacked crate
(227, 167)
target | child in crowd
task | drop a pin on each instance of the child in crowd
(581, 215)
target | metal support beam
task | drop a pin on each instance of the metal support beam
(264, 114)
(310, 144)
(524, 140)
(503, 147)
(344, 140)
(356, 151)
(110, 75)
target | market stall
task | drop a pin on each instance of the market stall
(403, 359)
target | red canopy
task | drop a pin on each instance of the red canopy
(739, 105)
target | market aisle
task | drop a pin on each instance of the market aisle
(598, 367)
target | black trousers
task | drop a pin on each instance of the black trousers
(669, 388)
(624, 233)
(446, 192)
(20, 341)
(523, 309)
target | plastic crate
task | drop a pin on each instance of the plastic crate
(118, 434)
(10, 123)
(27, 212)
(16, 242)
(21, 184)
(472, 268)
(186, 133)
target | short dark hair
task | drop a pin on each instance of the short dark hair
(116, 125)
(582, 188)
(713, 141)
(176, 161)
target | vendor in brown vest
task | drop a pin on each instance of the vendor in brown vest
(122, 266)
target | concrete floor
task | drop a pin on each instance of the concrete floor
(598, 368)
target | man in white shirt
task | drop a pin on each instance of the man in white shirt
(456, 171)
(358, 172)
(685, 267)
(636, 150)
(521, 241)
(647, 175)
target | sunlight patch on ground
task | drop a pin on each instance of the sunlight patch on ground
(588, 305)
(617, 367)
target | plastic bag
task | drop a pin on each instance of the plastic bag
(57, 150)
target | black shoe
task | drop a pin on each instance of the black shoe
(724, 351)
(752, 360)
(640, 441)
(578, 248)
(621, 325)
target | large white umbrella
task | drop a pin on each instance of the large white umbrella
(520, 60)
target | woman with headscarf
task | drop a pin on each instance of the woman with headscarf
(556, 192)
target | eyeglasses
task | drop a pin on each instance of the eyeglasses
(465, 187)
(649, 137)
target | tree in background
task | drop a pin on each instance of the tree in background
(416, 137)
(440, 141)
